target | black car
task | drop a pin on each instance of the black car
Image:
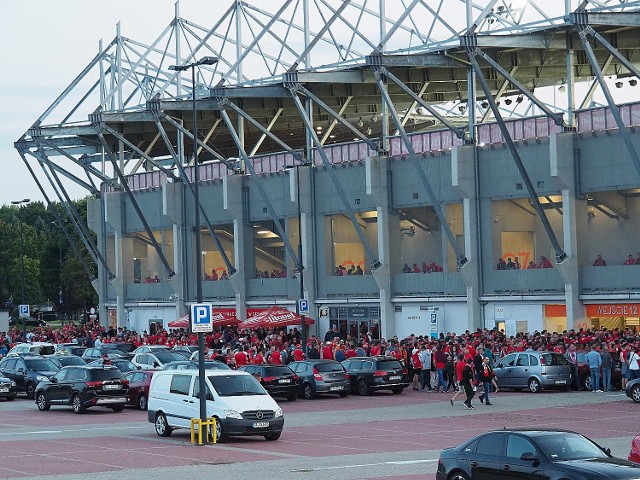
(123, 348)
(278, 380)
(533, 454)
(368, 374)
(8, 388)
(633, 390)
(31, 322)
(192, 365)
(66, 360)
(321, 376)
(83, 387)
(27, 371)
(122, 364)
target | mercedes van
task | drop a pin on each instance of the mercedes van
(236, 399)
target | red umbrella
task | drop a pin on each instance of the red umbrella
(274, 317)
(223, 318)
(182, 322)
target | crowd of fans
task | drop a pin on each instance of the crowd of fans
(342, 271)
(275, 273)
(631, 260)
(426, 268)
(514, 264)
(214, 277)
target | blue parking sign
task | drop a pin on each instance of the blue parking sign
(201, 317)
(303, 306)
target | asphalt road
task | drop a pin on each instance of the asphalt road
(380, 436)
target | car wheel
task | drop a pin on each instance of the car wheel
(41, 401)
(162, 426)
(363, 388)
(117, 408)
(534, 385)
(273, 436)
(397, 390)
(142, 402)
(30, 389)
(307, 391)
(586, 383)
(459, 476)
(220, 435)
(635, 393)
(76, 404)
(292, 398)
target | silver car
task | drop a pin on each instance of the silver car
(533, 370)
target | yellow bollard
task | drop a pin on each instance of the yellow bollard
(200, 425)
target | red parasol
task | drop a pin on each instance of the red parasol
(274, 317)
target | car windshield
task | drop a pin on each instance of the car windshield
(278, 371)
(329, 367)
(236, 385)
(568, 446)
(110, 374)
(41, 365)
(389, 365)
(69, 360)
(124, 365)
(213, 365)
(553, 359)
(166, 357)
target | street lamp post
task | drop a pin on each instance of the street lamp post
(300, 266)
(19, 203)
(198, 247)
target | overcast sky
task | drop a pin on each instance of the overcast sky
(45, 44)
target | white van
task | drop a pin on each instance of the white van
(235, 398)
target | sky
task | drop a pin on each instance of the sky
(47, 43)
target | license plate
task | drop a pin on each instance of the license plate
(4, 390)
(561, 382)
(395, 377)
(260, 424)
(335, 388)
(285, 380)
(111, 387)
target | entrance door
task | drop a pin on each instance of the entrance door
(358, 328)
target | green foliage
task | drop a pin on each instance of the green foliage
(50, 263)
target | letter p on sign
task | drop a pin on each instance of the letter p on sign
(201, 317)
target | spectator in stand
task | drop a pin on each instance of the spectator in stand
(406, 268)
(600, 262)
(425, 268)
(435, 267)
(359, 270)
(531, 265)
(516, 263)
(416, 268)
(510, 264)
(224, 276)
(502, 265)
(629, 261)
(545, 262)
(352, 270)
(638, 259)
(214, 275)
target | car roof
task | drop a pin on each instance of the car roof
(535, 431)
(317, 360)
(208, 372)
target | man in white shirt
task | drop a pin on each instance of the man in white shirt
(634, 366)
(425, 374)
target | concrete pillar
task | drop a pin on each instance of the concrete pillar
(113, 215)
(464, 179)
(574, 221)
(244, 261)
(388, 239)
(173, 209)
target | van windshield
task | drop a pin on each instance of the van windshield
(236, 385)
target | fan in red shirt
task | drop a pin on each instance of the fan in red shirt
(298, 354)
(258, 359)
(275, 357)
(327, 351)
(241, 357)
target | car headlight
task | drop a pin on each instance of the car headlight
(232, 414)
(13, 384)
(41, 378)
(278, 412)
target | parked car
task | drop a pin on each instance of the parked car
(186, 348)
(70, 348)
(121, 364)
(91, 354)
(321, 376)
(240, 405)
(27, 371)
(124, 348)
(8, 388)
(139, 381)
(65, 360)
(530, 453)
(31, 322)
(633, 390)
(150, 348)
(533, 370)
(368, 374)
(157, 359)
(584, 374)
(634, 454)
(278, 380)
(83, 387)
(36, 348)
(191, 365)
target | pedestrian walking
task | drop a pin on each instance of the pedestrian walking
(467, 382)
(459, 366)
(486, 378)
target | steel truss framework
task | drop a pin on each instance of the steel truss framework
(311, 66)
